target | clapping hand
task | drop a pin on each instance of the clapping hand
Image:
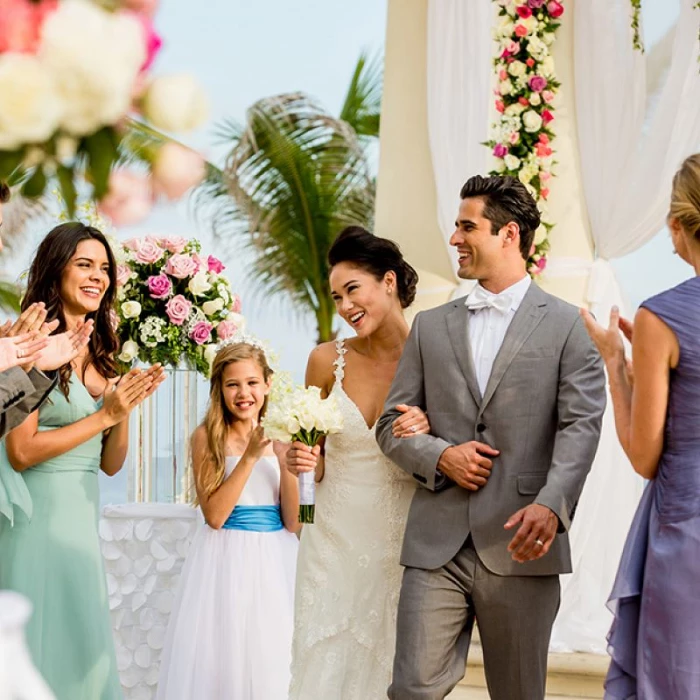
(257, 444)
(609, 341)
(131, 389)
(64, 347)
(21, 350)
(413, 422)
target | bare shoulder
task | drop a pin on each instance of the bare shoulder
(319, 370)
(199, 438)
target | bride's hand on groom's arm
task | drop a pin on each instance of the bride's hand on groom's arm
(468, 464)
(413, 421)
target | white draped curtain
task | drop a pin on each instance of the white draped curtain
(628, 157)
(460, 73)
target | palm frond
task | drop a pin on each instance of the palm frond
(293, 178)
(140, 143)
(18, 213)
(363, 101)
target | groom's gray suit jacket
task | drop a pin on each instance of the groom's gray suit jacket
(21, 394)
(542, 408)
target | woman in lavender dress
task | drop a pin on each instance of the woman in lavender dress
(655, 637)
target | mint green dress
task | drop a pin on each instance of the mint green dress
(50, 552)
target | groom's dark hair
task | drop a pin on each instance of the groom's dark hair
(506, 199)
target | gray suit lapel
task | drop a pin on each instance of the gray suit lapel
(458, 332)
(526, 319)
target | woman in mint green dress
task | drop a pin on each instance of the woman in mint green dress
(49, 547)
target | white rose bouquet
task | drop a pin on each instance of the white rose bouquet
(296, 414)
(173, 304)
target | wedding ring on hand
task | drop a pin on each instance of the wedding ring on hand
(539, 542)
(413, 428)
(20, 353)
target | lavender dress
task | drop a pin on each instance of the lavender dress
(655, 637)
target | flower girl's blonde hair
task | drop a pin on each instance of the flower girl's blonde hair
(218, 418)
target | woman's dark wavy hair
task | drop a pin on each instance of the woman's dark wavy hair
(44, 284)
(377, 256)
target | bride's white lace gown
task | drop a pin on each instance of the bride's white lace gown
(348, 572)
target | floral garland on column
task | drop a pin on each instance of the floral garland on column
(527, 87)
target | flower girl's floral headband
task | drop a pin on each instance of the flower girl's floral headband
(242, 338)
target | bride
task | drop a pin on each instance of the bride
(348, 575)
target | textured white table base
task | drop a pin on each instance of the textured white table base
(144, 547)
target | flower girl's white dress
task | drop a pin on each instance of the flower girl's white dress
(230, 633)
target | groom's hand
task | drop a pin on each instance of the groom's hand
(538, 528)
(467, 464)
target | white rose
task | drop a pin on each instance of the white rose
(512, 162)
(524, 176)
(130, 351)
(499, 165)
(515, 109)
(210, 353)
(199, 284)
(505, 26)
(540, 234)
(211, 307)
(506, 87)
(532, 121)
(548, 38)
(29, 109)
(237, 319)
(517, 68)
(535, 99)
(547, 67)
(176, 103)
(94, 57)
(131, 309)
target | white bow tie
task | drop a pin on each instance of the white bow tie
(479, 298)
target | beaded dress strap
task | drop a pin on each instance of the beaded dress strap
(339, 362)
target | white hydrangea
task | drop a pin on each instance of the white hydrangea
(151, 331)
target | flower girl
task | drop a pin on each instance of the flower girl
(230, 632)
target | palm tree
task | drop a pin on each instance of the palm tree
(294, 177)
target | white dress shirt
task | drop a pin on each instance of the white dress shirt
(488, 323)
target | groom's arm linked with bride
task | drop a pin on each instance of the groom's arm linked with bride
(518, 454)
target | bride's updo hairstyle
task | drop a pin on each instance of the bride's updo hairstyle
(377, 256)
(685, 196)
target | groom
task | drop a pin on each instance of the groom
(515, 392)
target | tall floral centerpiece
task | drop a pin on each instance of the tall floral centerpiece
(174, 306)
(526, 92)
(72, 73)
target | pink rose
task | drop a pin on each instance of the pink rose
(555, 9)
(159, 286)
(201, 332)
(524, 11)
(535, 4)
(123, 274)
(542, 263)
(181, 266)
(178, 309)
(149, 252)
(132, 243)
(530, 62)
(236, 304)
(521, 30)
(502, 74)
(500, 106)
(226, 330)
(513, 138)
(173, 244)
(523, 101)
(544, 193)
(547, 96)
(500, 151)
(544, 176)
(176, 169)
(215, 265)
(22, 20)
(512, 48)
(543, 150)
(201, 264)
(543, 138)
(128, 200)
(547, 116)
(537, 83)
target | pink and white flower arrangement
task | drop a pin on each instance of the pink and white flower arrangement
(173, 304)
(71, 73)
(526, 89)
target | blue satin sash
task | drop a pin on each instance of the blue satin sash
(255, 519)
